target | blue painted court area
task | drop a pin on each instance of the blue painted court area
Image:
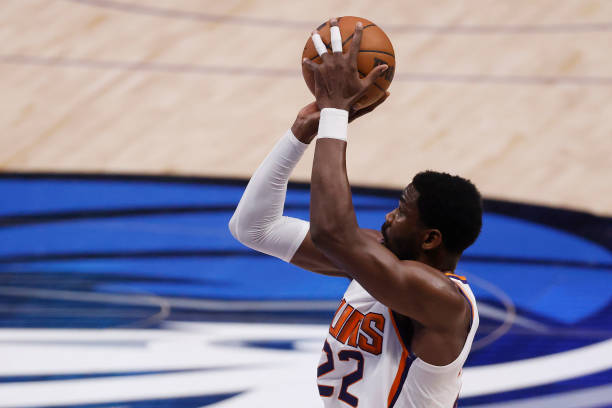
(542, 277)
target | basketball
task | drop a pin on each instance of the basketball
(375, 49)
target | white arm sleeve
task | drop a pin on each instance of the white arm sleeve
(258, 221)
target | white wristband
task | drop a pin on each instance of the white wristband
(333, 124)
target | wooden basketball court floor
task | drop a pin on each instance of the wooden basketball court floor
(515, 95)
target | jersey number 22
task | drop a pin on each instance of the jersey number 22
(347, 380)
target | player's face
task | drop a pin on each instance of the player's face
(403, 228)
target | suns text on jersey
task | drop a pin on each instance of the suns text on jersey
(351, 327)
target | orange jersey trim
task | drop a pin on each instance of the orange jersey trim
(401, 340)
(398, 377)
(471, 303)
(465, 295)
(463, 278)
(403, 359)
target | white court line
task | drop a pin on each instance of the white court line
(145, 387)
(537, 371)
(589, 398)
(281, 375)
(195, 345)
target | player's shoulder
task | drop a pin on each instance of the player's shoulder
(432, 280)
(442, 296)
(372, 233)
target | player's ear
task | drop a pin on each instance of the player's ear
(432, 239)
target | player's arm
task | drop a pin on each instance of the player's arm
(308, 256)
(258, 221)
(410, 288)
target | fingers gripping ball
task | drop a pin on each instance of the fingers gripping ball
(376, 49)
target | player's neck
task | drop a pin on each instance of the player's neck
(441, 261)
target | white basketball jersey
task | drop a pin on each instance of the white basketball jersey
(366, 364)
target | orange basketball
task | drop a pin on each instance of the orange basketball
(375, 49)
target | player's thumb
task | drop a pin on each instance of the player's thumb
(376, 73)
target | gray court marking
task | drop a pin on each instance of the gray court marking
(509, 316)
(477, 29)
(80, 296)
(58, 62)
(183, 303)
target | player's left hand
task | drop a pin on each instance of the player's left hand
(337, 82)
(307, 121)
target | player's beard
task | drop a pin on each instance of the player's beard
(383, 231)
(402, 248)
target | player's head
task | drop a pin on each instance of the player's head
(436, 212)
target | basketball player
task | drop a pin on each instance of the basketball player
(406, 323)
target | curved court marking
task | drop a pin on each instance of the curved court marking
(478, 29)
(502, 315)
(537, 371)
(80, 296)
(506, 316)
(185, 339)
(195, 304)
(509, 316)
(184, 346)
(194, 69)
(589, 398)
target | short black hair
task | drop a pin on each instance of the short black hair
(450, 204)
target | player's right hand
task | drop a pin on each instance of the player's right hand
(337, 80)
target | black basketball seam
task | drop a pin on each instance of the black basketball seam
(379, 87)
(351, 36)
(373, 83)
(380, 52)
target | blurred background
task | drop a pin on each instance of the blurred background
(129, 129)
